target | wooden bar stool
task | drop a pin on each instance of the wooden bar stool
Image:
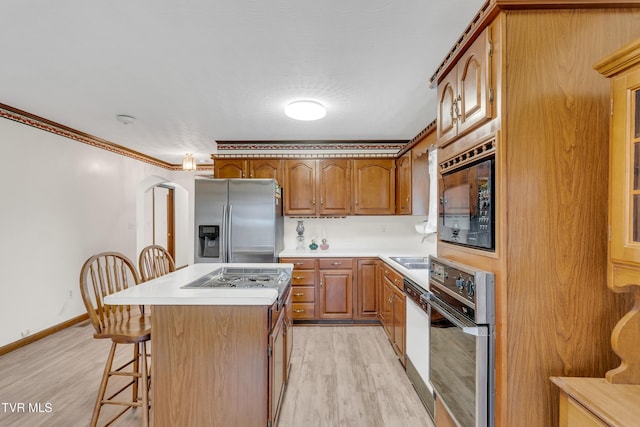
(102, 275)
(155, 261)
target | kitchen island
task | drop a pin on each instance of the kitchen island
(220, 356)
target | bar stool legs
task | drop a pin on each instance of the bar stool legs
(140, 380)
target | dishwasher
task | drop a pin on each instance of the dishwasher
(417, 344)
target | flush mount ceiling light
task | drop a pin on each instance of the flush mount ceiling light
(305, 110)
(123, 118)
(189, 162)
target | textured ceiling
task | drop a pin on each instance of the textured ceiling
(193, 72)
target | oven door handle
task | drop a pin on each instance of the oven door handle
(467, 326)
(478, 331)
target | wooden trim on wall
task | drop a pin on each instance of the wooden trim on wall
(41, 123)
(44, 333)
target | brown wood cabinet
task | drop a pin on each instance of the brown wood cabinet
(318, 187)
(551, 112)
(593, 402)
(623, 267)
(403, 184)
(266, 169)
(229, 168)
(325, 289)
(392, 311)
(221, 352)
(465, 94)
(336, 288)
(366, 289)
(248, 168)
(374, 186)
(303, 288)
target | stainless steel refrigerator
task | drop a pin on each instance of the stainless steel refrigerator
(237, 220)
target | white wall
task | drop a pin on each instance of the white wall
(62, 202)
(377, 233)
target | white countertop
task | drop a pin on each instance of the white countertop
(166, 290)
(421, 277)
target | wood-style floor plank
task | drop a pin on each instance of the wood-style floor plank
(348, 376)
(340, 376)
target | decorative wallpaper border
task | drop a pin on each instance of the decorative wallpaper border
(308, 149)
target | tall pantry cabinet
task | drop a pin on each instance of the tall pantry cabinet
(540, 105)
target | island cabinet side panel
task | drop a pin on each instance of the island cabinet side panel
(210, 366)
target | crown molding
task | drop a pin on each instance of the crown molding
(28, 119)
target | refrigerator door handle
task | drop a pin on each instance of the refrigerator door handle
(229, 222)
(224, 234)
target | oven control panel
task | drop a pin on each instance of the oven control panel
(468, 290)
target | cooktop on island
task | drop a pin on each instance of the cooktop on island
(244, 277)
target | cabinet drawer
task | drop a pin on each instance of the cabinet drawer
(393, 276)
(303, 278)
(335, 263)
(304, 310)
(303, 294)
(301, 263)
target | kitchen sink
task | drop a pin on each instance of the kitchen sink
(413, 263)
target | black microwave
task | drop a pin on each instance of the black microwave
(467, 205)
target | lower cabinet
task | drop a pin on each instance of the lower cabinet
(392, 309)
(366, 289)
(336, 288)
(277, 367)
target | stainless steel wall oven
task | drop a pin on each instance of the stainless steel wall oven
(462, 341)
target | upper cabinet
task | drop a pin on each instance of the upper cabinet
(300, 187)
(229, 168)
(374, 186)
(317, 187)
(266, 168)
(623, 267)
(465, 94)
(248, 168)
(403, 184)
(624, 166)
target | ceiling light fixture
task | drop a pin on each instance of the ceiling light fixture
(305, 110)
(189, 162)
(123, 118)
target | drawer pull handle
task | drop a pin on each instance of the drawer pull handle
(336, 263)
(298, 311)
(298, 294)
(299, 263)
(298, 277)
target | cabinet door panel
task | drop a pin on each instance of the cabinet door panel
(266, 168)
(334, 187)
(335, 294)
(374, 187)
(299, 189)
(229, 168)
(447, 127)
(473, 85)
(403, 184)
(366, 290)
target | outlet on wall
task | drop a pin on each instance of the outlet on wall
(70, 293)
(383, 228)
(25, 332)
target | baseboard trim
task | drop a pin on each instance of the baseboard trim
(44, 333)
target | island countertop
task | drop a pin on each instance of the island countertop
(167, 290)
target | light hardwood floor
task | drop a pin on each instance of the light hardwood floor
(340, 376)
